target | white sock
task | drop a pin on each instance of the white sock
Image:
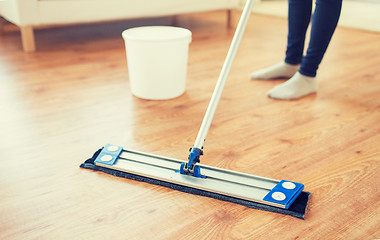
(298, 86)
(280, 70)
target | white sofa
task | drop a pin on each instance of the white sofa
(28, 14)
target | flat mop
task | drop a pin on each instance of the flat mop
(286, 197)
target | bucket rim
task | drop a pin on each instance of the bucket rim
(137, 33)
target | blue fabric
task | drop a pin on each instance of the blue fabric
(324, 22)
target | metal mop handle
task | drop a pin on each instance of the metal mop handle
(198, 145)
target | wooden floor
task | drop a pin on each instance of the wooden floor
(71, 97)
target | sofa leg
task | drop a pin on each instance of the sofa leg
(229, 18)
(174, 20)
(27, 37)
(2, 23)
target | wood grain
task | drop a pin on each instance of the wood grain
(60, 104)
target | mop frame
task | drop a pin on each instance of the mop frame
(222, 181)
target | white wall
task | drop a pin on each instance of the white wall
(359, 14)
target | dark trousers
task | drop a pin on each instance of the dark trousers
(323, 24)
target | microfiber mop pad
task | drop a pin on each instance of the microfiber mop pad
(297, 209)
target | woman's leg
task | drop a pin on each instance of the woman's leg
(299, 13)
(324, 22)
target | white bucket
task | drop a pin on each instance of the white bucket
(157, 61)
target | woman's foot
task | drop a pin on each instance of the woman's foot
(280, 70)
(297, 86)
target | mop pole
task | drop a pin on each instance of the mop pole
(196, 150)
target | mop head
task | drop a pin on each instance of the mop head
(297, 209)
